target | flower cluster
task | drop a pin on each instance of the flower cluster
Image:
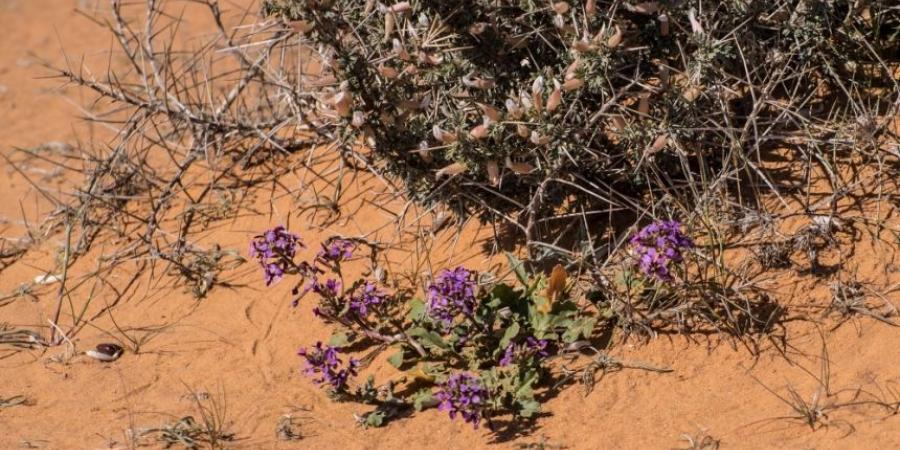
(658, 245)
(275, 250)
(329, 291)
(452, 293)
(323, 360)
(331, 288)
(464, 394)
(530, 347)
(370, 297)
(336, 251)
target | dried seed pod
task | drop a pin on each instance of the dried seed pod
(430, 59)
(399, 8)
(556, 286)
(572, 85)
(388, 72)
(478, 28)
(539, 139)
(643, 8)
(424, 152)
(410, 69)
(513, 109)
(663, 24)
(390, 22)
(478, 83)
(451, 170)
(523, 131)
(590, 8)
(342, 103)
(301, 26)
(491, 114)
(525, 98)
(582, 45)
(692, 93)
(493, 171)
(615, 39)
(561, 7)
(696, 27)
(370, 6)
(644, 104)
(537, 94)
(443, 136)
(555, 98)
(479, 132)
(399, 50)
(559, 22)
(658, 144)
(359, 119)
(520, 168)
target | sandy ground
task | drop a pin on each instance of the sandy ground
(237, 348)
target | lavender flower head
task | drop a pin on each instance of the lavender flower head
(336, 251)
(370, 297)
(452, 293)
(462, 394)
(331, 288)
(323, 361)
(531, 346)
(275, 250)
(658, 245)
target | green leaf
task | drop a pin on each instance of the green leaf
(525, 390)
(580, 327)
(396, 359)
(518, 267)
(540, 323)
(424, 399)
(528, 408)
(338, 340)
(509, 335)
(416, 310)
(429, 338)
(505, 294)
(375, 419)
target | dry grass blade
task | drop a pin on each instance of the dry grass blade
(16, 400)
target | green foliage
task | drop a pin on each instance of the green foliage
(505, 340)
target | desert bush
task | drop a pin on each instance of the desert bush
(543, 112)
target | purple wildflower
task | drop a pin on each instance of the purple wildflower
(275, 250)
(331, 288)
(370, 297)
(336, 251)
(658, 245)
(531, 347)
(462, 393)
(323, 360)
(508, 355)
(452, 293)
